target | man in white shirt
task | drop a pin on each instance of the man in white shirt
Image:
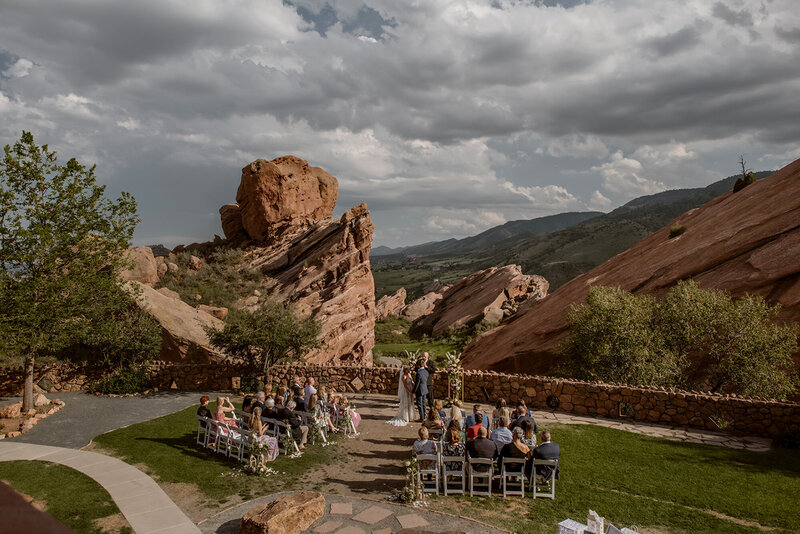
(502, 435)
(309, 390)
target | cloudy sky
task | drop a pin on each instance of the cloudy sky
(446, 117)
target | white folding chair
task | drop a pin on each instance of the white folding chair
(223, 438)
(431, 470)
(448, 473)
(202, 430)
(513, 473)
(243, 444)
(213, 434)
(480, 469)
(242, 418)
(436, 434)
(546, 481)
(282, 432)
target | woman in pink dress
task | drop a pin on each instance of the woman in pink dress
(258, 430)
(222, 409)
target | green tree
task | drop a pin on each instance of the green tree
(62, 243)
(735, 345)
(614, 338)
(266, 336)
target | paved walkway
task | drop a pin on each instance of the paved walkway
(85, 416)
(143, 503)
(347, 515)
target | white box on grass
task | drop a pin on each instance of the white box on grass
(568, 526)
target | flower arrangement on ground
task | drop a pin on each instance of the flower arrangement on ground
(413, 491)
(257, 464)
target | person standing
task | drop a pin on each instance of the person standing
(309, 390)
(421, 389)
(430, 366)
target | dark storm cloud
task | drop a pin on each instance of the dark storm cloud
(683, 39)
(790, 35)
(734, 18)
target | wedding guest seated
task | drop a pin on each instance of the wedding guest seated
(481, 447)
(280, 396)
(224, 406)
(521, 411)
(424, 446)
(472, 431)
(299, 430)
(269, 411)
(455, 413)
(434, 420)
(529, 436)
(322, 417)
(258, 434)
(476, 409)
(453, 445)
(354, 415)
(247, 403)
(439, 405)
(502, 435)
(499, 411)
(526, 416)
(546, 451)
(308, 391)
(203, 410)
(258, 401)
(517, 449)
(298, 398)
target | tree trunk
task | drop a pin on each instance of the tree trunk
(27, 394)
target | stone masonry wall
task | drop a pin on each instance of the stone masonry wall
(727, 413)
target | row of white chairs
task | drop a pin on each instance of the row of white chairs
(481, 473)
(236, 442)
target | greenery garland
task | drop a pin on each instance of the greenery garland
(454, 373)
(289, 440)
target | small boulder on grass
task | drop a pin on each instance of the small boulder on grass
(290, 514)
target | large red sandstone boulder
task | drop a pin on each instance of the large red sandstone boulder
(390, 305)
(183, 335)
(482, 296)
(290, 514)
(275, 196)
(143, 269)
(324, 271)
(421, 307)
(745, 242)
(231, 216)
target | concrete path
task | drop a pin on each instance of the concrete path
(348, 515)
(86, 416)
(145, 505)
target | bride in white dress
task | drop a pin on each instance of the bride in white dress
(405, 413)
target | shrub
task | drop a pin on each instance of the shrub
(130, 379)
(676, 230)
(252, 384)
(734, 344)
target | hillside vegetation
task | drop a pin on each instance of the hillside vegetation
(559, 255)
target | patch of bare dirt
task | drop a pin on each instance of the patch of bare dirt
(112, 524)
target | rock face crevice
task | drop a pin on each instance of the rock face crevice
(744, 242)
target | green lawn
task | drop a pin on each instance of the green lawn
(392, 339)
(70, 496)
(656, 484)
(166, 448)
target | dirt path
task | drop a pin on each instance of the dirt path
(372, 463)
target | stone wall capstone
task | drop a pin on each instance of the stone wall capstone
(727, 413)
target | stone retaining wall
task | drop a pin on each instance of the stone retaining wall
(728, 413)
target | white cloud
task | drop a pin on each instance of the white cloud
(598, 201)
(624, 177)
(20, 69)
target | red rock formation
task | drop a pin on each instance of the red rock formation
(421, 307)
(482, 296)
(389, 305)
(143, 268)
(747, 242)
(276, 196)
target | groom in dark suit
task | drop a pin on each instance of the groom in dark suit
(421, 388)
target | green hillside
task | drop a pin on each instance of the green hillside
(559, 256)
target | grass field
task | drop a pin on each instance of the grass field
(166, 448)
(655, 484)
(71, 497)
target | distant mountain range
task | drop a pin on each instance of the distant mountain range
(541, 225)
(559, 247)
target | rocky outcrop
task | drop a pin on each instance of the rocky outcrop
(143, 268)
(744, 242)
(290, 514)
(421, 307)
(183, 337)
(231, 216)
(280, 195)
(317, 264)
(389, 305)
(488, 295)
